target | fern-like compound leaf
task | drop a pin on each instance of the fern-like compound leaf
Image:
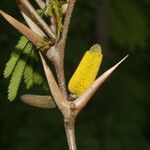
(22, 65)
(28, 73)
(38, 78)
(15, 56)
(18, 73)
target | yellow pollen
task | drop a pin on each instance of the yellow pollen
(86, 72)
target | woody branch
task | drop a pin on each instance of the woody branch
(54, 50)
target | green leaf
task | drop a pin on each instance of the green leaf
(15, 56)
(20, 65)
(54, 9)
(39, 79)
(41, 12)
(18, 73)
(28, 73)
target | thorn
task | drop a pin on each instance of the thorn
(86, 96)
(27, 32)
(40, 101)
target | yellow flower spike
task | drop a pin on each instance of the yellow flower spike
(86, 72)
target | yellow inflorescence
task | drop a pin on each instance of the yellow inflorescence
(86, 72)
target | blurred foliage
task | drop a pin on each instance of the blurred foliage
(118, 116)
(129, 22)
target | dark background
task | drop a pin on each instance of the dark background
(118, 116)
